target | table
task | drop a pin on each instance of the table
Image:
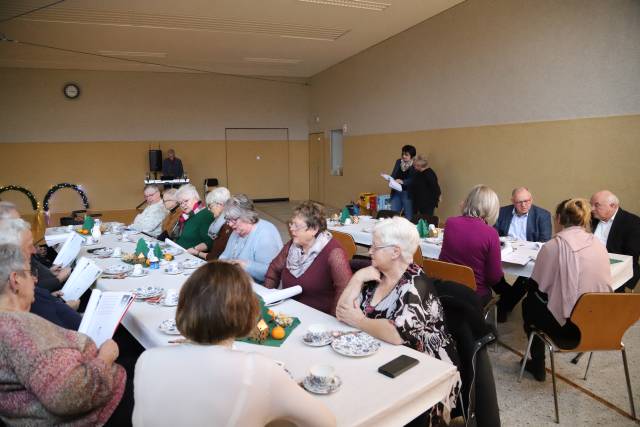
(361, 233)
(365, 398)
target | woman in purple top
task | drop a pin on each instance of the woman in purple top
(471, 240)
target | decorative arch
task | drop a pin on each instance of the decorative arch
(52, 190)
(26, 192)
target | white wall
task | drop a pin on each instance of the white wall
(490, 62)
(136, 106)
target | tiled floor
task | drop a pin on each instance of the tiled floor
(597, 401)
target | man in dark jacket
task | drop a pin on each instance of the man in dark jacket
(425, 190)
(617, 229)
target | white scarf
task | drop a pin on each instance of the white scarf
(298, 262)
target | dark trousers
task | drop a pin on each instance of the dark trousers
(510, 295)
(535, 313)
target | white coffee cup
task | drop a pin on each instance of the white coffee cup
(316, 331)
(115, 228)
(137, 269)
(117, 251)
(171, 296)
(321, 374)
(90, 241)
(173, 267)
(69, 227)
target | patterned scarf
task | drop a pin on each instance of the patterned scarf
(298, 262)
(405, 165)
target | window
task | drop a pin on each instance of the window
(336, 152)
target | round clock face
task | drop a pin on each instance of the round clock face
(71, 90)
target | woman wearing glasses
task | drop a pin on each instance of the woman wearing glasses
(311, 259)
(393, 301)
(254, 242)
(193, 224)
(219, 230)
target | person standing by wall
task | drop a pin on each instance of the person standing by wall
(172, 166)
(403, 174)
(425, 191)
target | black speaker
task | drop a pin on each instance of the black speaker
(155, 160)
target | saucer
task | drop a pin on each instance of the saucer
(173, 272)
(104, 252)
(148, 292)
(316, 388)
(357, 344)
(192, 263)
(171, 303)
(118, 269)
(169, 327)
(326, 339)
(172, 250)
(144, 273)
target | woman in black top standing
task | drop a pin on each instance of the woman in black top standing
(425, 190)
(403, 174)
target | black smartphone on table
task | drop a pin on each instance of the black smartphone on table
(397, 366)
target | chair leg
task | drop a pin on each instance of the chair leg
(553, 379)
(495, 325)
(526, 356)
(626, 374)
(588, 364)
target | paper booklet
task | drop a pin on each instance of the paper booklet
(83, 275)
(520, 257)
(174, 244)
(269, 296)
(52, 238)
(104, 312)
(393, 184)
(69, 251)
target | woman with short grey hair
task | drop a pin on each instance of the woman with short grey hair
(254, 242)
(471, 240)
(219, 230)
(394, 301)
(194, 222)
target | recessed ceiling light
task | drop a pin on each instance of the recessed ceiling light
(358, 4)
(133, 54)
(273, 60)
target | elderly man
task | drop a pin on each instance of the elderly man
(617, 229)
(172, 166)
(150, 219)
(521, 220)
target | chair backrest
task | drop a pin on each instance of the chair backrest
(448, 271)
(346, 241)
(418, 258)
(386, 213)
(603, 318)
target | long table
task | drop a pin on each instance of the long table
(365, 397)
(621, 265)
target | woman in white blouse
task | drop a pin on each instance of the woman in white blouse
(206, 382)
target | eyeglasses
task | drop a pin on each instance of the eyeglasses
(522, 202)
(297, 227)
(231, 221)
(150, 195)
(32, 271)
(183, 202)
(375, 248)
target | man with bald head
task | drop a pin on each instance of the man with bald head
(617, 229)
(521, 220)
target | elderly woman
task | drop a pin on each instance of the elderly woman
(219, 230)
(471, 240)
(393, 300)
(170, 222)
(572, 263)
(216, 306)
(51, 375)
(151, 218)
(254, 242)
(193, 224)
(311, 259)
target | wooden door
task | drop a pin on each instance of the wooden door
(316, 145)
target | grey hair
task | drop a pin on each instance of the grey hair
(482, 202)
(152, 186)
(398, 231)
(188, 190)
(218, 195)
(11, 231)
(612, 199)
(241, 207)
(170, 192)
(11, 260)
(420, 161)
(7, 209)
(519, 189)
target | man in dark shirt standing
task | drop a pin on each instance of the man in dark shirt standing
(172, 166)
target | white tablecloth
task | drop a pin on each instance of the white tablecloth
(361, 233)
(366, 396)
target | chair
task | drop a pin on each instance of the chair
(602, 319)
(463, 275)
(418, 258)
(346, 241)
(386, 213)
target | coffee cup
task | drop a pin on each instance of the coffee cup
(321, 375)
(117, 251)
(116, 228)
(174, 267)
(69, 227)
(171, 296)
(137, 269)
(316, 332)
(90, 241)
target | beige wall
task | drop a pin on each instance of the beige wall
(502, 92)
(112, 172)
(555, 160)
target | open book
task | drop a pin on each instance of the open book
(520, 257)
(69, 251)
(85, 273)
(104, 312)
(270, 296)
(393, 184)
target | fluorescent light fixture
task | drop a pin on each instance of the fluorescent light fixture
(133, 54)
(358, 4)
(273, 60)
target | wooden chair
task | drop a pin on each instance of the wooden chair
(418, 258)
(602, 319)
(346, 241)
(463, 275)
